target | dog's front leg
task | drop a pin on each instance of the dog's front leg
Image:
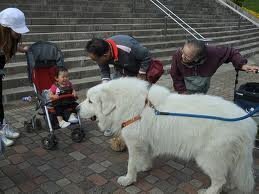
(132, 170)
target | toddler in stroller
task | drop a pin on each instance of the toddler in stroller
(61, 87)
(45, 64)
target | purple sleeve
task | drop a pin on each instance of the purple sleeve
(228, 54)
(178, 78)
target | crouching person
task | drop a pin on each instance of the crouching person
(129, 58)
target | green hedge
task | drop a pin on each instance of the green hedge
(249, 4)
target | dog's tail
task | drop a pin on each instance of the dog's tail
(242, 174)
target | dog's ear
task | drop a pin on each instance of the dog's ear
(107, 102)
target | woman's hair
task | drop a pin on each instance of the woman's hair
(59, 70)
(8, 44)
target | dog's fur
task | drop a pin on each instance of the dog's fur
(223, 150)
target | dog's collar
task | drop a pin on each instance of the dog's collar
(128, 122)
(138, 117)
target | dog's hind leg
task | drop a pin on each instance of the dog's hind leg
(216, 169)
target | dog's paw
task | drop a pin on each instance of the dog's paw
(125, 181)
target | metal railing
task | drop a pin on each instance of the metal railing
(179, 21)
(238, 12)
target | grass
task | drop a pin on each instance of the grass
(252, 5)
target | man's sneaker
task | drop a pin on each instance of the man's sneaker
(8, 132)
(63, 124)
(72, 118)
(7, 142)
(107, 133)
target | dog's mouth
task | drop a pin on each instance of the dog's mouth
(93, 118)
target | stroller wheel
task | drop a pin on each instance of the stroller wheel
(27, 126)
(77, 135)
(38, 124)
(49, 142)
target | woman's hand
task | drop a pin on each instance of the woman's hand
(22, 48)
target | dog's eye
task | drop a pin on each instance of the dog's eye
(90, 101)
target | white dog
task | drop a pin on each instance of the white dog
(223, 150)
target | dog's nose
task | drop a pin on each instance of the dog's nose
(93, 118)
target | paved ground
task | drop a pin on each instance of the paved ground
(91, 166)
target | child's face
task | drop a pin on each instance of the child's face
(62, 77)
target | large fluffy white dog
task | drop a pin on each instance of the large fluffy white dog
(223, 150)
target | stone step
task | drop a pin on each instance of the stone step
(20, 79)
(55, 36)
(133, 26)
(17, 93)
(68, 14)
(76, 47)
(78, 21)
(112, 6)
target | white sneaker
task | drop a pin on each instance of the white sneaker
(7, 131)
(7, 142)
(63, 124)
(73, 118)
(107, 133)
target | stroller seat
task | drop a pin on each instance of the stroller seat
(43, 58)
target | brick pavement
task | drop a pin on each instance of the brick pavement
(91, 166)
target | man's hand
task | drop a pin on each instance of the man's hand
(142, 76)
(250, 68)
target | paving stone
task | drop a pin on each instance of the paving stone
(143, 185)
(175, 165)
(72, 188)
(4, 163)
(44, 167)
(151, 179)
(19, 178)
(53, 174)
(50, 187)
(188, 188)
(63, 182)
(41, 179)
(21, 149)
(16, 159)
(24, 165)
(75, 177)
(187, 171)
(196, 183)
(6, 183)
(27, 186)
(77, 155)
(132, 189)
(155, 191)
(165, 186)
(96, 140)
(159, 174)
(97, 179)
(97, 167)
(13, 190)
(106, 163)
(32, 172)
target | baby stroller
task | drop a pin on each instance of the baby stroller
(43, 58)
(247, 97)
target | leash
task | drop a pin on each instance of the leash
(249, 114)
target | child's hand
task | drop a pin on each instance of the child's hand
(54, 97)
(74, 93)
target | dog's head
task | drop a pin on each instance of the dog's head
(114, 102)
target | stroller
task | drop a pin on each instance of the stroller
(247, 97)
(43, 58)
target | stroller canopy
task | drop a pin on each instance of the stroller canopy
(43, 54)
